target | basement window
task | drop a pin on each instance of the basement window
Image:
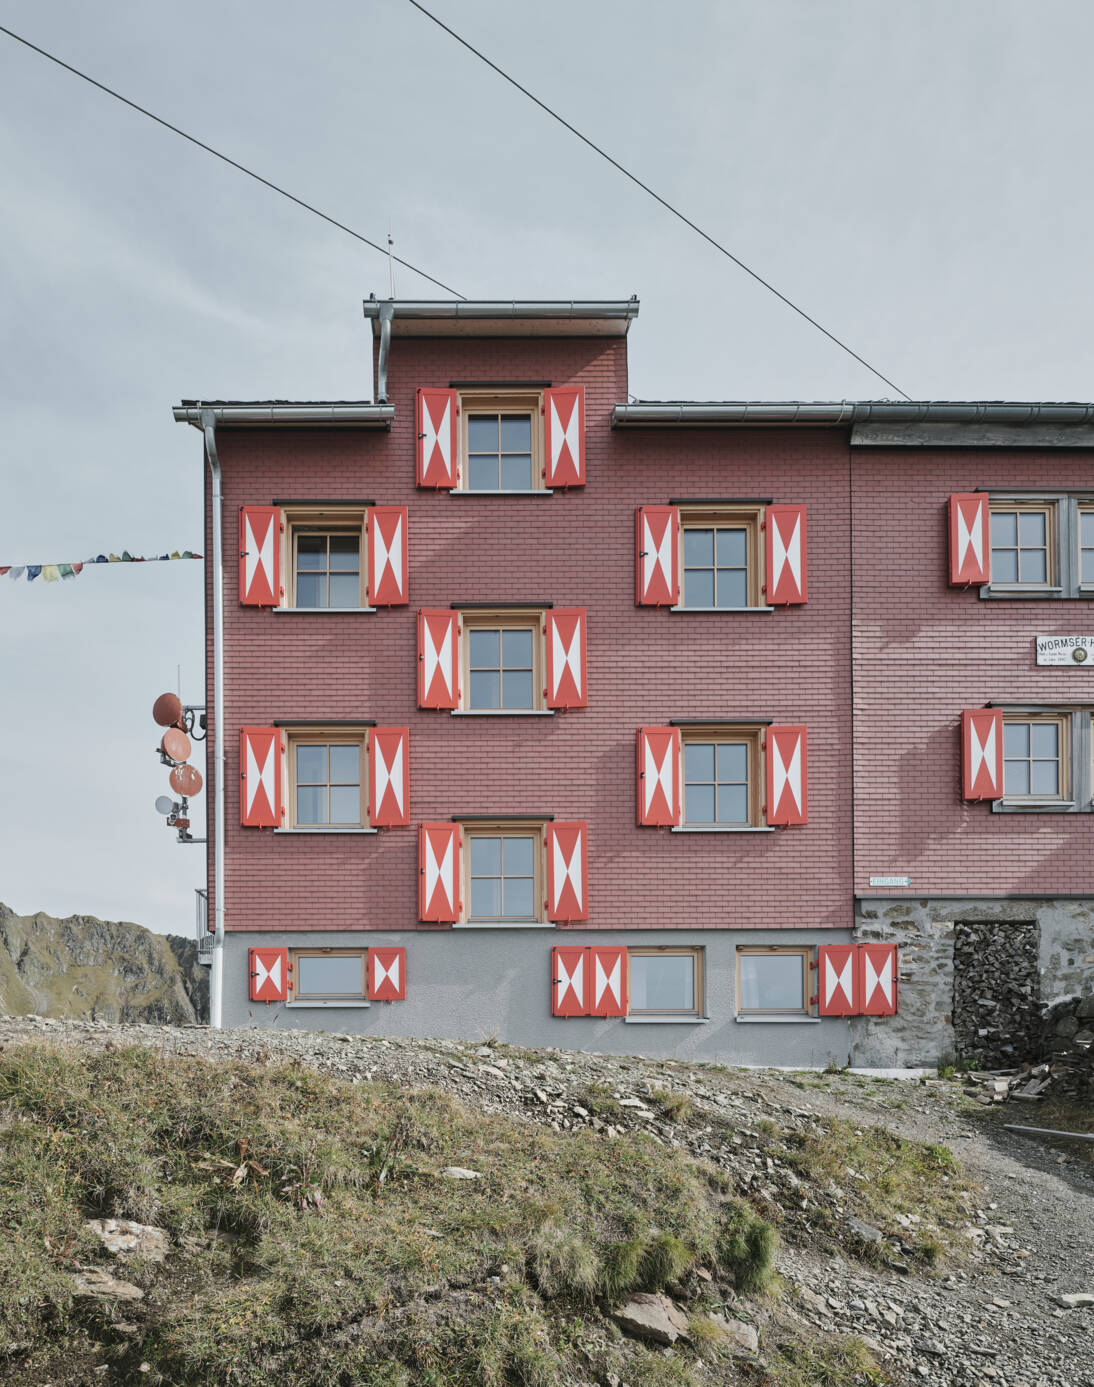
(773, 982)
(328, 975)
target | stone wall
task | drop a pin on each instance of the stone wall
(923, 1033)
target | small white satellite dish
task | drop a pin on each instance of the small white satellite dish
(164, 804)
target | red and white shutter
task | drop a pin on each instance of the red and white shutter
(564, 429)
(260, 777)
(387, 975)
(439, 872)
(569, 981)
(878, 980)
(657, 564)
(387, 556)
(438, 659)
(259, 556)
(268, 974)
(787, 776)
(608, 967)
(389, 777)
(567, 871)
(982, 753)
(837, 980)
(970, 539)
(658, 776)
(437, 410)
(565, 632)
(784, 541)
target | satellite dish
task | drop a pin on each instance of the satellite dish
(175, 744)
(185, 780)
(167, 710)
(164, 804)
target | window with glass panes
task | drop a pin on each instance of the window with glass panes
(1086, 546)
(327, 788)
(322, 975)
(665, 981)
(716, 566)
(773, 982)
(327, 567)
(1022, 545)
(718, 779)
(502, 875)
(499, 451)
(1034, 757)
(501, 665)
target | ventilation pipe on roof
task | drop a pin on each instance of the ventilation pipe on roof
(387, 312)
(216, 979)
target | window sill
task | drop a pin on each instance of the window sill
(322, 611)
(1035, 806)
(307, 1005)
(524, 491)
(324, 832)
(503, 924)
(696, 828)
(666, 1020)
(682, 608)
(990, 594)
(777, 1020)
(503, 712)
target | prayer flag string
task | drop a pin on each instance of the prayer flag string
(56, 572)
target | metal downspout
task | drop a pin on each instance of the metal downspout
(387, 312)
(216, 979)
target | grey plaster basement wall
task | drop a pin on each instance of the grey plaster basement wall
(475, 984)
(923, 1033)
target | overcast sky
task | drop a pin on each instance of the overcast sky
(914, 175)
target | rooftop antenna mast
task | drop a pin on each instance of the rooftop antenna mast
(390, 258)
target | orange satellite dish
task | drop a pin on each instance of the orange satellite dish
(185, 780)
(175, 744)
(167, 710)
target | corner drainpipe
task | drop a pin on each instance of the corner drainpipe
(216, 979)
(387, 312)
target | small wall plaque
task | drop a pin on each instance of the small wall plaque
(1076, 651)
(890, 881)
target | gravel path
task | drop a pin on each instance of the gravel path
(988, 1319)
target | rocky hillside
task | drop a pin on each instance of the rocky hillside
(102, 970)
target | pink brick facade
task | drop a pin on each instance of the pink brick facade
(645, 666)
(923, 652)
(877, 665)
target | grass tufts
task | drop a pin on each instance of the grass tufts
(746, 1248)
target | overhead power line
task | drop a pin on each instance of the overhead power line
(658, 198)
(266, 183)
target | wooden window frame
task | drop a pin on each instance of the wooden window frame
(307, 951)
(748, 518)
(497, 619)
(1062, 722)
(697, 954)
(1050, 510)
(506, 827)
(751, 736)
(328, 519)
(323, 736)
(521, 402)
(806, 953)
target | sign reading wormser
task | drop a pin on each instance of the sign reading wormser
(1065, 650)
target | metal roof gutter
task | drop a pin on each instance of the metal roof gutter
(623, 310)
(229, 414)
(846, 412)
